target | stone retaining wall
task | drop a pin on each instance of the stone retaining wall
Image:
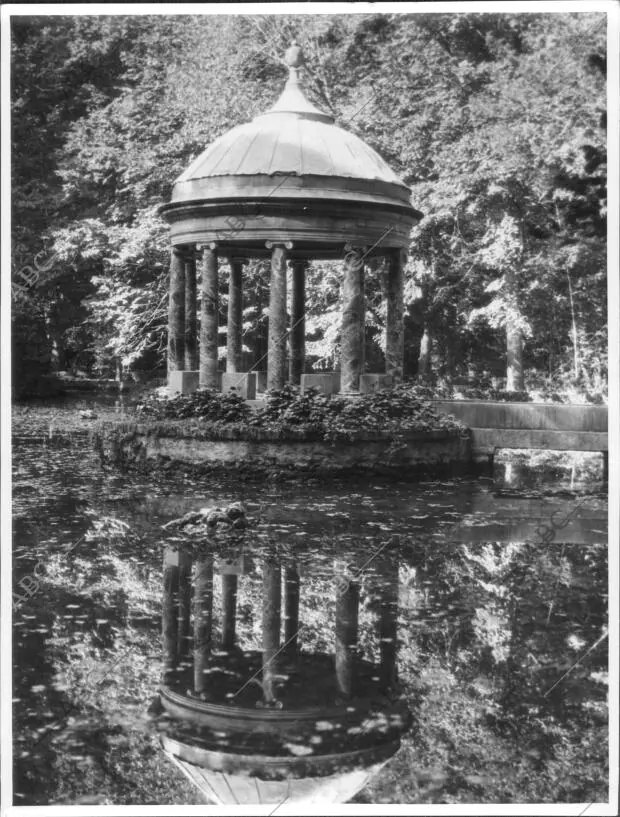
(432, 449)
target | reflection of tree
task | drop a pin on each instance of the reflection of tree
(479, 651)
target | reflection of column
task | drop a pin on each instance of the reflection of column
(353, 322)
(291, 610)
(276, 356)
(176, 312)
(388, 631)
(176, 563)
(229, 610)
(234, 358)
(185, 600)
(346, 636)
(203, 619)
(191, 319)
(272, 591)
(298, 323)
(209, 319)
(394, 330)
(170, 603)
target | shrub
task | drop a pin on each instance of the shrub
(510, 396)
(395, 410)
(205, 404)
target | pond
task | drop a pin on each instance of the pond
(501, 592)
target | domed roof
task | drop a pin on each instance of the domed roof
(292, 175)
(293, 138)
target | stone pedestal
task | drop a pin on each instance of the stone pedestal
(183, 382)
(244, 383)
(261, 381)
(323, 382)
(370, 383)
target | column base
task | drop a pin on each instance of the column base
(183, 381)
(244, 383)
(327, 384)
(261, 381)
(370, 383)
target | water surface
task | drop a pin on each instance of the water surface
(502, 590)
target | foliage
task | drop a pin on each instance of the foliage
(204, 404)
(392, 411)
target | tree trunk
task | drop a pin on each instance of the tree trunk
(514, 335)
(297, 337)
(424, 358)
(394, 321)
(573, 328)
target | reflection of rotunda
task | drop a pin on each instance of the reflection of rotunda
(281, 723)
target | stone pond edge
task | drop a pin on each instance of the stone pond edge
(208, 446)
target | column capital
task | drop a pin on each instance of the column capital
(401, 254)
(271, 244)
(354, 256)
(212, 245)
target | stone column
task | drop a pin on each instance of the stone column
(276, 356)
(203, 619)
(209, 319)
(291, 610)
(395, 342)
(176, 313)
(353, 322)
(229, 610)
(272, 591)
(347, 601)
(234, 357)
(191, 318)
(298, 324)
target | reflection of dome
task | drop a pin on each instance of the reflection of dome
(235, 789)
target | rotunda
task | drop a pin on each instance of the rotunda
(292, 186)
